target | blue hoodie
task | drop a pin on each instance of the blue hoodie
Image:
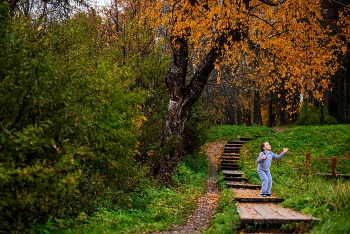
(266, 164)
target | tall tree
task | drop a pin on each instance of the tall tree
(206, 34)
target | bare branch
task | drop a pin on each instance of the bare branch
(265, 22)
(341, 4)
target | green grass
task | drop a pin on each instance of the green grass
(303, 190)
(154, 208)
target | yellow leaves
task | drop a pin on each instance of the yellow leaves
(344, 49)
(139, 121)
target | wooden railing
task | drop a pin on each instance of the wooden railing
(334, 160)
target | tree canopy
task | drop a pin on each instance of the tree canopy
(282, 43)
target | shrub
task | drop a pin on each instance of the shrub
(69, 121)
(310, 115)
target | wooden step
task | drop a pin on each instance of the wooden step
(232, 148)
(229, 167)
(228, 164)
(259, 199)
(243, 185)
(230, 154)
(229, 161)
(260, 213)
(236, 142)
(229, 157)
(238, 179)
(232, 172)
(233, 145)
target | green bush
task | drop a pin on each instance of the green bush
(35, 178)
(70, 117)
(310, 115)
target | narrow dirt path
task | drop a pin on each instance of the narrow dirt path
(206, 204)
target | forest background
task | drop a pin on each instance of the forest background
(84, 91)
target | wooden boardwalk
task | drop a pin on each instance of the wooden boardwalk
(267, 213)
(251, 207)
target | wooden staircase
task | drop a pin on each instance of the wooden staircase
(251, 207)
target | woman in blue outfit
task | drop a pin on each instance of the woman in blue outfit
(264, 163)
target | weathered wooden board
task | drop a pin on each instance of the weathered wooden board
(229, 167)
(229, 161)
(232, 154)
(232, 173)
(263, 213)
(244, 185)
(259, 199)
(230, 157)
(231, 178)
(229, 164)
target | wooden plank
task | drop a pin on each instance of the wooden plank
(233, 145)
(231, 151)
(229, 161)
(232, 167)
(245, 215)
(230, 154)
(259, 199)
(292, 215)
(235, 178)
(229, 157)
(235, 184)
(269, 214)
(235, 142)
(232, 172)
(229, 164)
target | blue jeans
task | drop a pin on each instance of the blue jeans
(266, 180)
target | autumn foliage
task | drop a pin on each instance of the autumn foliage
(289, 45)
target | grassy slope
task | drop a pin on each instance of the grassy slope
(328, 199)
(157, 208)
(152, 208)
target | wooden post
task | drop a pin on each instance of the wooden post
(278, 160)
(334, 166)
(307, 160)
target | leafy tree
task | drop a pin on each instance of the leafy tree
(70, 118)
(283, 38)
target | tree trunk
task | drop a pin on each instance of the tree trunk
(239, 114)
(270, 112)
(257, 109)
(182, 96)
(229, 113)
(283, 105)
